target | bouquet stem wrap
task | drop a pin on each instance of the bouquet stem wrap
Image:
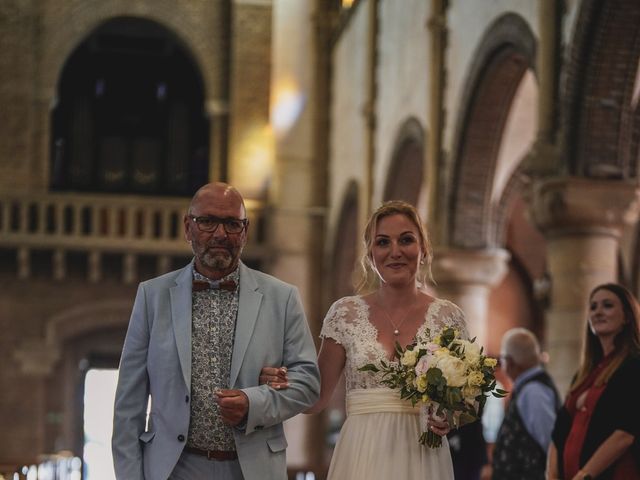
(428, 437)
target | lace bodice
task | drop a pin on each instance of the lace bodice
(347, 322)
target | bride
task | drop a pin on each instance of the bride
(379, 438)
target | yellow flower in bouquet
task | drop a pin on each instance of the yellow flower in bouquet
(449, 374)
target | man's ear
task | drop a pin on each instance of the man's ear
(186, 222)
(246, 231)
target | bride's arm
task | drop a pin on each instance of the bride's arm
(331, 360)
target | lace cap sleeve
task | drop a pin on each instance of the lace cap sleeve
(337, 323)
(450, 315)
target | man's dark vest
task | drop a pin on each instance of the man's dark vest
(517, 455)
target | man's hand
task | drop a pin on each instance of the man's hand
(234, 405)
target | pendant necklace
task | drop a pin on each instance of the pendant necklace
(396, 327)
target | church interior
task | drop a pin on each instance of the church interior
(513, 126)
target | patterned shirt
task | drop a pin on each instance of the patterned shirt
(213, 316)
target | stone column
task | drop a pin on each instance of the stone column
(218, 113)
(434, 158)
(297, 188)
(217, 105)
(466, 277)
(582, 220)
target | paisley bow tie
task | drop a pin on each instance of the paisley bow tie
(228, 285)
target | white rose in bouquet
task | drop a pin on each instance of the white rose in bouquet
(471, 351)
(453, 370)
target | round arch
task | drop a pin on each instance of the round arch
(87, 336)
(342, 264)
(129, 116)
(87, 16)
(40, 356)
(406, 169)
(345, 245)
(504, 55)
(84, 319)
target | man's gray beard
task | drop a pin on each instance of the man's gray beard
(217, 261)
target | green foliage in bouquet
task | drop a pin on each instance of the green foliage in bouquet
(445, 372)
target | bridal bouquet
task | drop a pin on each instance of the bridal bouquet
(446, 374)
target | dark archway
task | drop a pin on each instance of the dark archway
(405, 175)
(343, 264)
(345, 245)
(130, 116)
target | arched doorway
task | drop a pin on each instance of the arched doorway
(404, 179)
(343, 273)
(345, 246)
(497, 81)
(129, 116)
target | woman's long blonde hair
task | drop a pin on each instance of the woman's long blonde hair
(394, 207)
(627, 342)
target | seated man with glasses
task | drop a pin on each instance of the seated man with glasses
(197, 340)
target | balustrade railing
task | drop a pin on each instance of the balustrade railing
(97, 224)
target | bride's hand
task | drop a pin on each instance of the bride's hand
(274, 377)
(438, 424)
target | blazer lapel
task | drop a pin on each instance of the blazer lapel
(181, 319)
(248, 308)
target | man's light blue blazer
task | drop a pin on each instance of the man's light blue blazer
(271, 330)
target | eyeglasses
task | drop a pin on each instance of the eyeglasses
(209, 223)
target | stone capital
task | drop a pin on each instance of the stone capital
(574, 205)
(466, 277)
(465, 267)
(36, 357)
(217, 107)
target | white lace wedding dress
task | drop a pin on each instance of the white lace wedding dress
(379, 438)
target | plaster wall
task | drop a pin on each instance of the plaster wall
(403, 78)
(348, 148)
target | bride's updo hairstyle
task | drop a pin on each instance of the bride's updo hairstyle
(369, 277)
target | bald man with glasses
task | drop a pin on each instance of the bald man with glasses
(197, 340)
(520, 451)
